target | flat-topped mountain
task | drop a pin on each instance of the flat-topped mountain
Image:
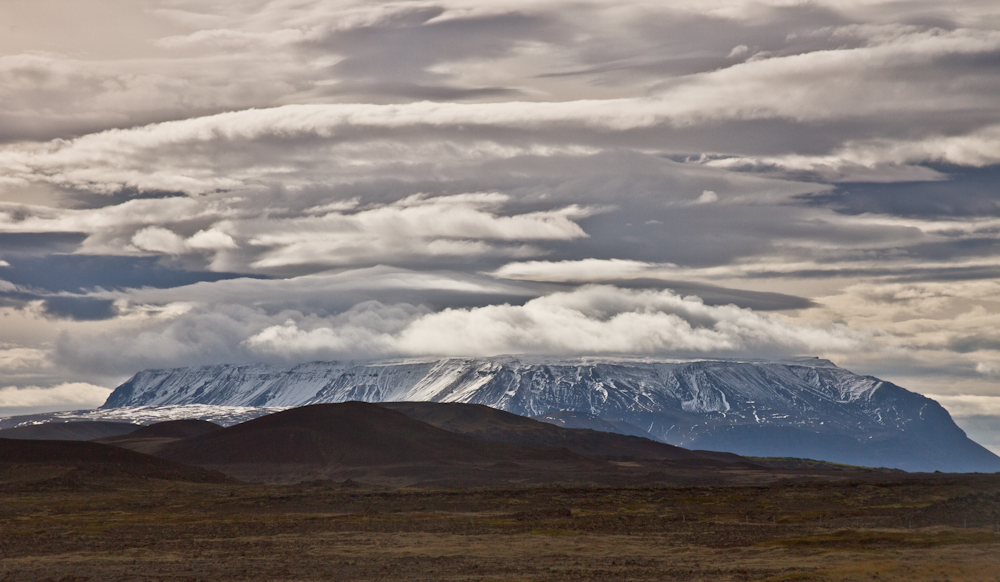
(793, 408)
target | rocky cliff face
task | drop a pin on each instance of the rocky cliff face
(802, 408)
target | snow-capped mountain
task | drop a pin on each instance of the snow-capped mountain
(803, 407)
(221, 415)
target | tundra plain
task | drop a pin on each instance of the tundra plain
(832, 525)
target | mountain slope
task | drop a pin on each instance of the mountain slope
(144, 415)
(154, 437)
(75, 463)
(490, 424)
(178, 429)
(69, 431)
(573, 419)
(321, 440)
(801, 408)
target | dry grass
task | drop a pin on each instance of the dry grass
(907, 530)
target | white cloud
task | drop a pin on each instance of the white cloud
(15, 359)
(301, 130)
(98, 221)
(61, 397)
(161, 240)
(886, 159)
(583, 270)
(210, 240)
(132, 227)
(233, 39)
(417, 225)
(308, 288)
(738, 51)
(707, 197)
(965, 405)
(590, 320)
(821, 85)
(333, 234)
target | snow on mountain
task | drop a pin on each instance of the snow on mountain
(223, 415)
(571, 419)
(804, 407)
(803, 392)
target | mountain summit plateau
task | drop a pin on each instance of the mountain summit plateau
(804, 407)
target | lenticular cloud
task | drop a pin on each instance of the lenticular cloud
(589, 320)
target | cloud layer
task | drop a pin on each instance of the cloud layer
(328, 178)
(67, 396)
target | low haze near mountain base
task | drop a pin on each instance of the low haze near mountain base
(186, 184)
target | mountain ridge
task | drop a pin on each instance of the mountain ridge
(802, 407)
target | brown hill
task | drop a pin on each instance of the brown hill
(324, 440)
(80, 463)
(69, 431)
(151, 439)
(177, 429)
(490, 424)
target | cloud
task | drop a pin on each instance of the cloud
(23, 218)
(236, 237)
(202, 326)
(885, 160)
(965, 405)
(844, 258)
(597, 319)
(13, 359)
(416, 225)
(64, 274)
(987, 369)
(160, 240)
(585, 270)
(156, 157)
(707, 197)
(66, 396)
(817, 86)
(223, 38)
(312, 179)
(738, 51)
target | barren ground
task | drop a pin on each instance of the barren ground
(913, 528)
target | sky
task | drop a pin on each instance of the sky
(187, 183)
